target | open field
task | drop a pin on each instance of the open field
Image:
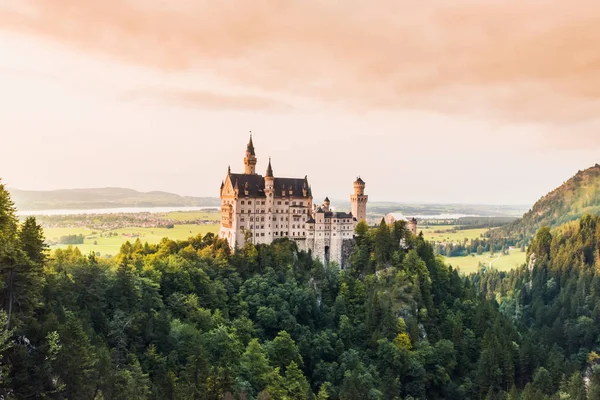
(193, 215)
(470, 264)
(110, 245)
(450, 233)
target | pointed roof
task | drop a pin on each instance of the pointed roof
(358, 180)
(250, 147)
(269, 170)
(327, 200)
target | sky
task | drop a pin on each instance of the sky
(456, 101)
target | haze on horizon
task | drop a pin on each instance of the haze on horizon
(451, 101)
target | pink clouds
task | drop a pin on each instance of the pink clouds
(516, 60)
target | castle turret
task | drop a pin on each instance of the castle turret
(326, 204)
(250, 159)
(359, 200)
(412, 225)
(269, 180)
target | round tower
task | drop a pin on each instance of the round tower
(250, 159)
(412, 225)
(359, 200)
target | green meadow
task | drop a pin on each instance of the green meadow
(110, 245)
(469, 264)
(450, 233)
(108, 242)
(193, 215)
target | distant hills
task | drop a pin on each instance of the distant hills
(576, 197)
(110, 197)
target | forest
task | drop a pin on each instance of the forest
(192, 320)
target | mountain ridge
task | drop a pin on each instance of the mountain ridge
(576, 197)
(105, 197)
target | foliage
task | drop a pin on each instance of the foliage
(191, 319)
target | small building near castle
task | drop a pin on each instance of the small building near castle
(265, 208)
(411, 222)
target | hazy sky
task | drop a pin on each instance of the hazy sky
(494, 101)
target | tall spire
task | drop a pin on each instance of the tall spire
(269, 170)
(250, 147)
(250, 159)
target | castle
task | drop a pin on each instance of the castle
(262, 209)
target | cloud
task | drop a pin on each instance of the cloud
(519, 60)
(206, 99)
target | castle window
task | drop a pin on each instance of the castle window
(249, 202)
(262, 227)
(279, 203)
(287, 203)
(242, 201)
(262, 234)
(293, 233)
(293, 203)
(242, 228)
(251, 226)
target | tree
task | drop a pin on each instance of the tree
(296, 384)
(382, 243)
(283, 351)
(10, 254)
(255, 366)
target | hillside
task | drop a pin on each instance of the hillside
(555, 302)
(103, 198)
(576, 197)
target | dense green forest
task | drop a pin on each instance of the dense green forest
(554, 302)
(191, 320)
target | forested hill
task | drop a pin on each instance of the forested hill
(109, 197)
(555, 302)
(576, 197)
(191, 320)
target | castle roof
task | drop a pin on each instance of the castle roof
(327, 200)
(358, 180)
(255, 185)
(338, 214)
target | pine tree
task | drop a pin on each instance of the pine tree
(382, 243)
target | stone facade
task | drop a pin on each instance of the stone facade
(262, 209)
(411, 222)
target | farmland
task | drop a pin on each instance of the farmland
(450, 233)
(108, 241)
